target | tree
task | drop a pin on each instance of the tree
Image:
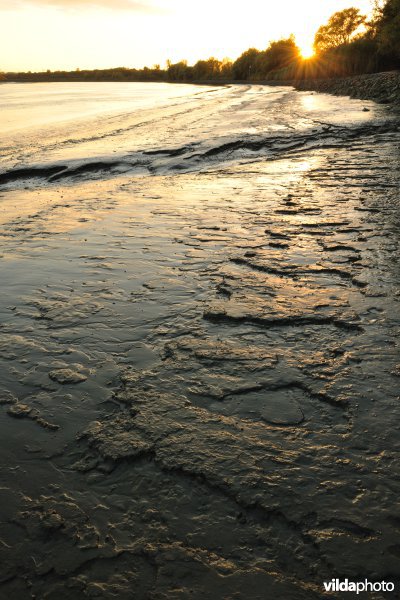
(207, 69)
(388, 29)
(339, 30)
(179, 71)
(244, 66)
(278, 55)
(226, 68)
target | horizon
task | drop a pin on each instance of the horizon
(125, 33)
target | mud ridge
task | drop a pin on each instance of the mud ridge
(30, 173)
(328, 136)
(295, 271)
(295, 321)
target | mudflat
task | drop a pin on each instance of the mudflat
(198, 343)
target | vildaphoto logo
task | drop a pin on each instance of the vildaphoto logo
(335, 585)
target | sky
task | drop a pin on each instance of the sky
(69, 34)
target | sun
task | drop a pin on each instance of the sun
(306, 51)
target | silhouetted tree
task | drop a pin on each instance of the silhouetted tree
(226, 69)
(207, 69)
(388, 29)
(179, 71)
(245, 65)
(339, 30)
(277, 56)
(258, 65)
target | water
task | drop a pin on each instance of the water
(198, 342)
(43, 105)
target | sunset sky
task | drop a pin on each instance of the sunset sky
(70, 34)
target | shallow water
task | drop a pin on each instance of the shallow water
(199, 345)
(42, 105)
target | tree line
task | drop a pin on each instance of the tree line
(347, 44)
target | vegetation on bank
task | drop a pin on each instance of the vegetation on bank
(347, 44)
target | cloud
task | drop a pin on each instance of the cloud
(131, 5)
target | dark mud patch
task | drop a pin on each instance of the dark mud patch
(30, 173)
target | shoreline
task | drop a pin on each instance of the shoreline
(383, 87)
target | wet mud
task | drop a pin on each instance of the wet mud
(200, 366)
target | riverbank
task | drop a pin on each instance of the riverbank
(380, 87)
(383, 88)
